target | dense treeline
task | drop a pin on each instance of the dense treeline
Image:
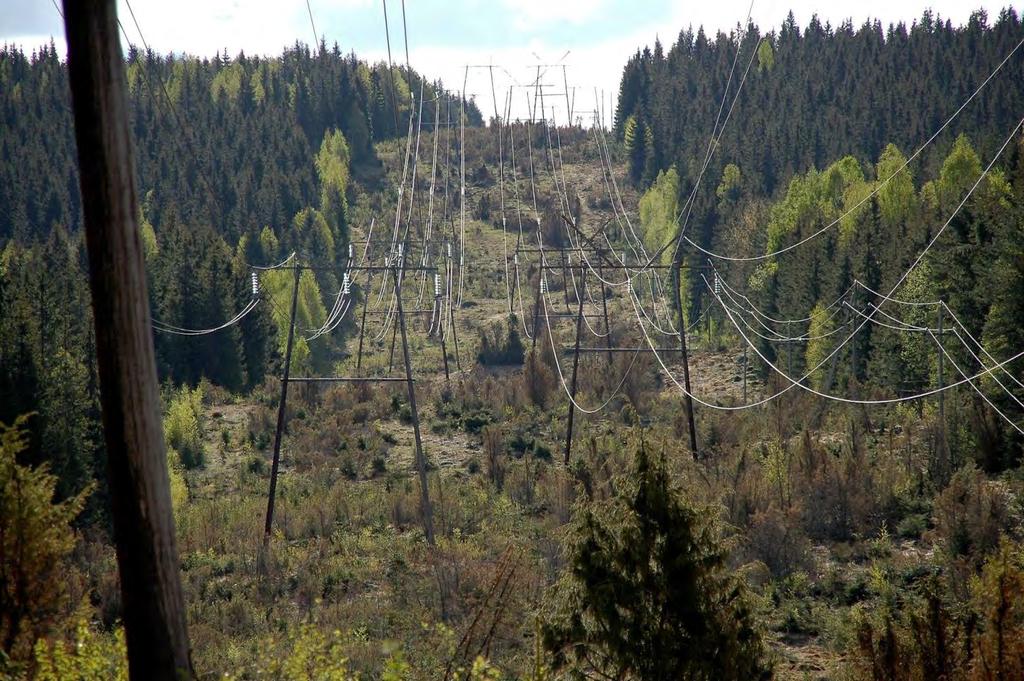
(836, 114)
(974, 266)
(812, 96)
(239, 161)
(236, 149)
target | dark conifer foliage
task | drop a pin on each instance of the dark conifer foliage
(226, 161)
(815, 94)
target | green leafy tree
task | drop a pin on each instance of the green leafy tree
(183, 426)
(819, 345)
(332, 165)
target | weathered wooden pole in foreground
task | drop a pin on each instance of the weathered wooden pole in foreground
(147, 554)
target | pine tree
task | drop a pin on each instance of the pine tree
(647, 595)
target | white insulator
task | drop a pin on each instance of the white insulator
(346, 284)
(255, 284)
(449, 250)
(543, 285)
(515, 259)
(401, 250)
(437, 285)
(350, 251)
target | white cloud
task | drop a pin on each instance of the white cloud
(593, 71)
(203, 27)
(530, 13)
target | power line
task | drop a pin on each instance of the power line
(391, 72)
(799, 382)
(871, 194)
(186, 133)
(316, 38)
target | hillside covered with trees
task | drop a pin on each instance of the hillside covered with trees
(845, 515)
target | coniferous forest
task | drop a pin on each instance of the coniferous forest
(833, 214)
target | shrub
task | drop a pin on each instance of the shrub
(932, 637)
(35, 540)
(971, 514)
(775, 539)
(494, 450)
(538, 380)
(90, 656)
(501, 346)
(183, 426)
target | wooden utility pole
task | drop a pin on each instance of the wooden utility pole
(279, 431)
(943, 443)
(575, 369)
(455, 334)
(147, 554)
(421, 461)
(391, 355)
(744, 373)
(789, 350)
(604, 309)
(362, 325)
(439, 305)
(536, 305)
(688, 399)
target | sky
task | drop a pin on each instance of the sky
(592, 39)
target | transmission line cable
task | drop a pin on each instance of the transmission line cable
(799, 382)
(872, 193)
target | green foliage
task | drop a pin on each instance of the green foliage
(149, 245)
(765, 56)
(728, 191)
(659, 209)
(638, 139)
(312, 235)
(819, 344)
(307, 654)
(184, 426)
(960, 170)
(500, 344)
(897, 199)
(310, 314)
(647, 594)
(90, 656)
(228, 82)
(269, 243)
(332, 165)
(933, 634)
(35, 540)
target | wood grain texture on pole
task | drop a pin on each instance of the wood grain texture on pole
(147, 554)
